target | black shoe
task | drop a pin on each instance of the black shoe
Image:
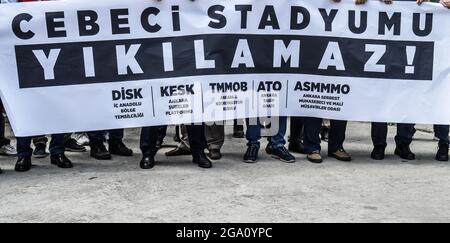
(238, 131)
(251, 156)
(282, 154)
(442, 154)
(214, 154)
(147, 162)
(71, 145)
(404, 151)
(99, 151)
(61, 161)
(297, 147)
(40, 151)
(201, 160)
(178, 152)
(23, 164)
(117, 147)
(378, 152)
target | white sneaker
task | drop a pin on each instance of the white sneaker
(8, 150)
(81, 138)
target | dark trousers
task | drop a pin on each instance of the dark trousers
(311, 136)
(3, 140)
(442, 132)
(149, 137)
(24, 145)
(296, 129)
(405, 133)
(100, 136)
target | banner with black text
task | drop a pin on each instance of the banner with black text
(83, 65)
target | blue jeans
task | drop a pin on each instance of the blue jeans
(254, 134)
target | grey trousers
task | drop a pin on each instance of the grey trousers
(215, 137)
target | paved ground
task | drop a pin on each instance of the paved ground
(270, 191)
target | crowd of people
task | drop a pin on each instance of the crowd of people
(306, 134)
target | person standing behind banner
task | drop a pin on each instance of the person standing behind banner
(405, 132)
(197, 141)
(24, 151)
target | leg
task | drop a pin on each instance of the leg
(57, 144)
(311, 136)
(24, 153)
(278, 140)
(116, 134)
(215, 138)
(276, 143)
(197, 140)
(238, 129)
(311, 139)
(116, 145)
(98, 149)
(183, 146)
(337, 135)
(405, 134)
(149, 138)
(379, 134)
(253, 134)
(148, 141)
(296, 133)
(336, 141)
(442, 132)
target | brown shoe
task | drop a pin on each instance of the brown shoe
(341, 155)
(315, 157)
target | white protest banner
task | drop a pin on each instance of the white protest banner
(89, 65)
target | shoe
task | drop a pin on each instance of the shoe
(251, 156)
(201, 160)
(40, 151)
(282, 154)
(117, 147)
(378, 152)
(238, 131)
(99, 151)
(81, 138)
(178, 152)
(61, 161)
(23, 164)
(71, 145)
(442, 154)
(297, 147)
(404, 151)
(147, 162)
(315, 157)
(8, 150)
(214, 154)
(340, 155)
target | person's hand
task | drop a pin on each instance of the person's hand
(446, 3)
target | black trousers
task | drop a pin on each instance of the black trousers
(149, 137)
(405, 133)
(296, 133)
(311, 137)
(24, 145)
